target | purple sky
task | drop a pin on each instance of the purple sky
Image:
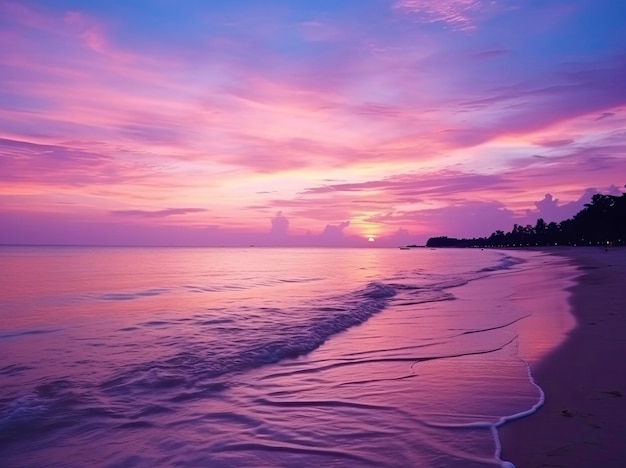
(287, 122)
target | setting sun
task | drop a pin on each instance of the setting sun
(371, 239)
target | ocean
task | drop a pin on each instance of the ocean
(266, 357)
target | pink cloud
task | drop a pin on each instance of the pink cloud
(458, 14)
(318, 31)
(462, 219)
(605, 115)
(20, 13)
(335, 230)
(319, 209)
(442, 183)
(552, 209)
(555, 143)
(280, 225)
(491, 54)
(91, 33)
(574, 91)
(24, 161)
(158, 213)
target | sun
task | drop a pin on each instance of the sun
(371, 239)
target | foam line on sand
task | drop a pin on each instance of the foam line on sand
(583, 420)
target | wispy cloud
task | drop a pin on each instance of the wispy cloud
(605, 115)
(555, 143)
(458, 14)
(158, 213)
(317, 31)
(444, 183)
(491, 54)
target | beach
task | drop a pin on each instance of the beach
(582, 422)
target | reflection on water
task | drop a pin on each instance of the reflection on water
(268, 357)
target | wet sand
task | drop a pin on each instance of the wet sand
(583, 420)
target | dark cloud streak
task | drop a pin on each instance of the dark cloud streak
(158, 213)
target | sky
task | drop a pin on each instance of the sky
(305, 123)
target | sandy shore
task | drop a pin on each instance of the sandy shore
(583, 421)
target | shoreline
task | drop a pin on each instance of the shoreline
(581, 423)
(541, 281)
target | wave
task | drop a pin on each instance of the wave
(26, 333)
(255, 347)
(53, 405)
(246, 283)
(506, 262)
(129, 296)
(191, 373)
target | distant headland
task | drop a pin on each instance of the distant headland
(602, 222)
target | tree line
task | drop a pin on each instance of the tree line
(601, 222)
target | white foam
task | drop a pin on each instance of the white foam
(504, 420)
(493, 427)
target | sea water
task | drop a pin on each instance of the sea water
(258, 357)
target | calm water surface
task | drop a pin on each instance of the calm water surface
(256, 357)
